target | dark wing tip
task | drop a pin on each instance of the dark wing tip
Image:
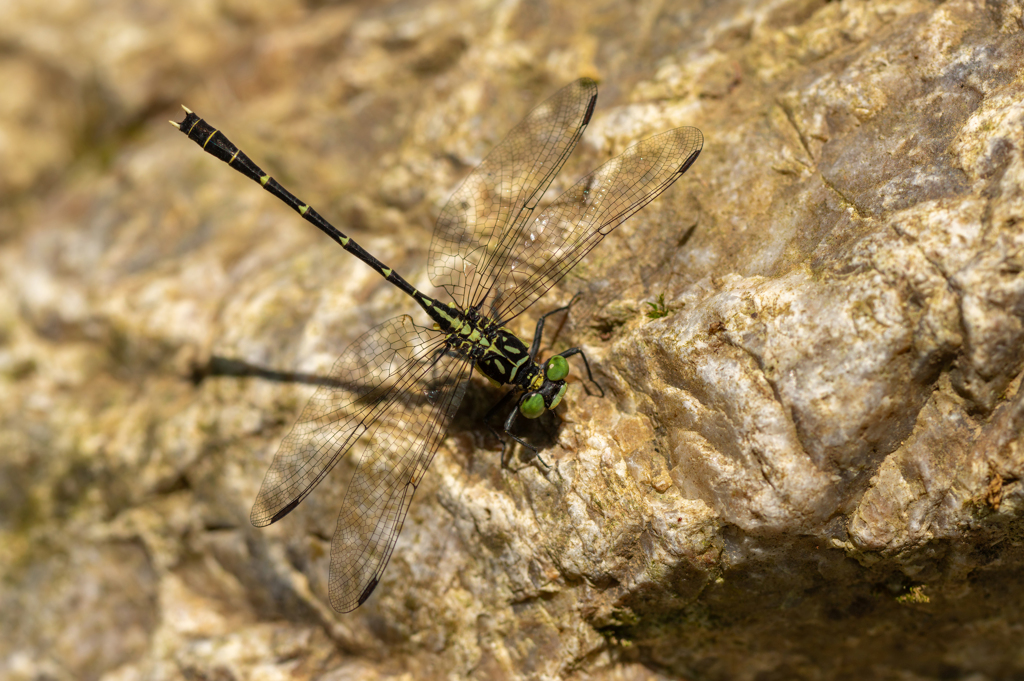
(689, 161)
(363, 597)
(699, 146)
(588, 84)
(343, 603)
(590, 110)
(259, 518)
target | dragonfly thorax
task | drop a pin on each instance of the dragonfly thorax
(501, 356)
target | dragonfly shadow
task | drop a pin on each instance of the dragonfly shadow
(542, 433)
(225, 366)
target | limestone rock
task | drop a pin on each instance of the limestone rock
(809, 468)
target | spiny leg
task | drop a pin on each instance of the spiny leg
(502, 403)
(539, 330)
(509, 422)
(590, 376)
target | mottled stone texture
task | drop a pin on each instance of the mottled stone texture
(811, 468)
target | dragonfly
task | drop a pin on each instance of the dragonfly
(495, 251)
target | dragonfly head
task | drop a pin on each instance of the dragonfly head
(535, 402)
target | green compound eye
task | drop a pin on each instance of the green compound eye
(532, 406)
(558, 397)
(557, 368)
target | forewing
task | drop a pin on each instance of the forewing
(476, 229)
(368, 379)
(390, 470)
(552, 242)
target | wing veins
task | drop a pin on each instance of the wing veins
(536, 285)
(355, 424)
(356, 566)
(510, 234)
(476, 229)
(571, 234)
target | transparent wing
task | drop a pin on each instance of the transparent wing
(476, 230)
(378, 373)
(390, 470)
(551, 243)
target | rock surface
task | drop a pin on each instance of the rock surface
(809, 468)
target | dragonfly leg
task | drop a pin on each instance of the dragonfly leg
(539, 331)
(509, 422)
(579, 351)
